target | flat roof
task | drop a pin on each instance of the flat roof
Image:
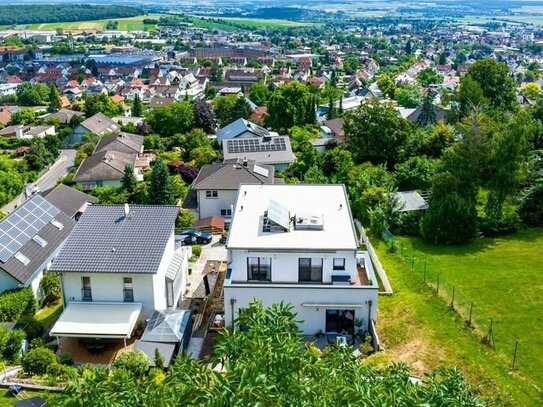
(327, 201)
(97, 320)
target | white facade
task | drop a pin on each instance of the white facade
(148, 289)
(215, 202)
(315, 266)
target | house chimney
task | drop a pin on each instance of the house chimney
(245, 161)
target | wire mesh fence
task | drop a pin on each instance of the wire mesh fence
(475, 317)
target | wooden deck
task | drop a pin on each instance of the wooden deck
(361, 276)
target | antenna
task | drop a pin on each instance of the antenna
(126, 210)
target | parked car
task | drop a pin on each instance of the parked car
(193, 236)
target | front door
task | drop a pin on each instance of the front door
(340, 321)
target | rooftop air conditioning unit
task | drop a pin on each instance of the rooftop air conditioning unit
(309, 222)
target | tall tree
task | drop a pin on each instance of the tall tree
(230, 108)
(168, 120)
(287, 106)
(55, 103)
(427, 114)
(204, 116)
(128, 182)
(160, 187)
(331, 109)
(137, 107)
(386, 85)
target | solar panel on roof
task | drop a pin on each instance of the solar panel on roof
(279, 214)
(19, 227)
(255, 145)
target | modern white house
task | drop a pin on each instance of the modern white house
(121, 260)
(297, 243)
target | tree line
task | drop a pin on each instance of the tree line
(46, 13)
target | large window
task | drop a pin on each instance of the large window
(86, 292)
(226, 212)
(339, 263)
(128, 289)
(310, 269)
(212, 194)
(259, 268)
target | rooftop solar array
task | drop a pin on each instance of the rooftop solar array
(255, 145)
(23, 224)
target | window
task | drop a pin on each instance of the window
(259, 268)
(212, 194)
(86, 292)
(339, 263)
(226, 212)
(310, 269)
(128, 289)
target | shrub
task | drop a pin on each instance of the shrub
(134, 361)
(37, 361)
(10, 344)
(34, 330)
(196, 250)
(50, 287)
(16, 303)
(65, 359)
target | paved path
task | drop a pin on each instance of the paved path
(59, 169)
(212, 251)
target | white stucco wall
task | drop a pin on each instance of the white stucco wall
(313, 317)
(212, 206)
(109, 287)
(284, 266)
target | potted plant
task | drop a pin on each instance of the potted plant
(319, 333)
(359, 323)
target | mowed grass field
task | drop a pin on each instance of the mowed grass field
(125, 24)
(503, 278)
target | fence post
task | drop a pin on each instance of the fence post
(470, 313)
(425, 270)
(438, 283)
(514, 356)
(452, 300)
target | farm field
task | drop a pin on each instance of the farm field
(502, 277)
(205, 22)
(125, 24)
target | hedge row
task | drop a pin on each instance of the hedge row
(17, 303)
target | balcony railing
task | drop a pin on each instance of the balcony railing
(86, 294)
(128, 294)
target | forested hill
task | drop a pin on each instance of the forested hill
(47, 13)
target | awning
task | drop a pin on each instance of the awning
(331, 305)
(97, 320)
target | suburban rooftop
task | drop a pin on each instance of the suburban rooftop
(322, 216)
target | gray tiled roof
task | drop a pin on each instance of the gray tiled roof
(122, 142)
(106, 241)
(99, 123)
(68, 200)
(229, 174)
(35, 253)
(104, 165)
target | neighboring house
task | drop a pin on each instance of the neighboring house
(30, 238)
(117, 267)
(441, 114)
(105, 166)
(98, 124)
(267, 150)
(331, 130)
(297, 243)
(64, 116)
(242, 128)
(69, 200)
(214, 191)
(28, 132)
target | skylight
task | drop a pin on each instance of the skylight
(57, 224)
(39, 240)
(22, 258)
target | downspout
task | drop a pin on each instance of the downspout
(232, 302)
(370, 303)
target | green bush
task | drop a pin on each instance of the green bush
(10, 344)
(50, 287)
(37, 361)
(34, 330)
(17, 303)
(196, 250)
(65, 359)
(134, 361)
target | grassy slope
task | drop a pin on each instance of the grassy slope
(125, 24)
(500, 276)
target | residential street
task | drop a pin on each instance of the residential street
(48, 180)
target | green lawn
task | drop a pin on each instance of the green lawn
(7, 400)
(502, 278)
(48, 315)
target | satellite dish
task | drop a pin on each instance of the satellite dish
(126, 210)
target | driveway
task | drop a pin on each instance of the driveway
(59, 169)
(212, 251)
